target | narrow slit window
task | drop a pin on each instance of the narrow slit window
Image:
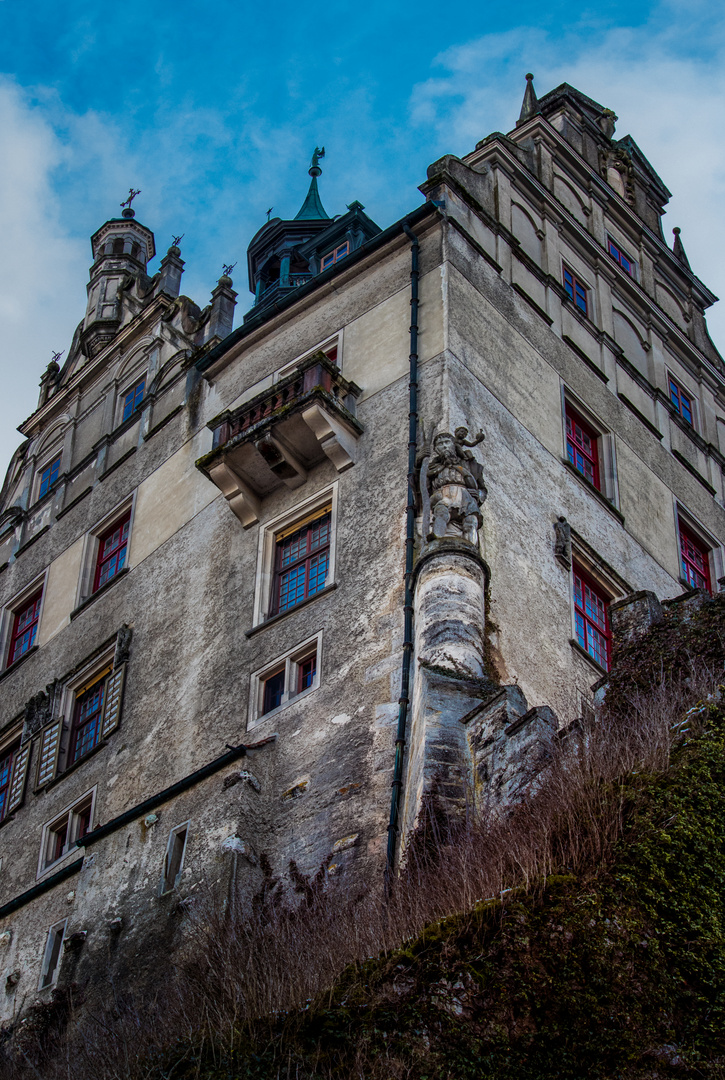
(51, 957)
(25, 627)
(694, 560)
(306, 671)
(174, 861)
(577, 291)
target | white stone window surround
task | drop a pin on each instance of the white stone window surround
(290, 661)
(717, 559)
(333, 341)
(90, 546)
(51, 955)
(609, 486)
(10, 609)
(71, 815)
(267, 546)
(166, 885)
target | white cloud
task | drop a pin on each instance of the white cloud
(671, 103)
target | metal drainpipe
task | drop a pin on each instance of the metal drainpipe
(404, 699)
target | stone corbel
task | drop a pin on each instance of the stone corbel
(334, 440)
(242, 500)
(282, 461)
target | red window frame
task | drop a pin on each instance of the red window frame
(333, 256)
(619, 257)
(25, 627)
(6, 773)
(133, 399)
(274, 687)
(301, 562)
(306, 671)
(694, 560)
(582, 446)
(87, 716)
(112, 548)
(576, 290)
(591, 618)
(49, 476)
(681, 400)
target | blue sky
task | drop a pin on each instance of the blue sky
(213, 111)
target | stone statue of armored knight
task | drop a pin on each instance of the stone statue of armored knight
(452, 487)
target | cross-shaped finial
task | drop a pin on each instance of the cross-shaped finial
(131, 196)
(269, 212)
(176, 240)
(227, 268)
(56, 356)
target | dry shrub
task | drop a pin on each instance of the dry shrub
(246, 965)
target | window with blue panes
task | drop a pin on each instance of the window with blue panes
(302, 560)
(681, 401)
(6, 770)
(49, 476)
(591, 617)
(576, 290)
(133, 398)
(620, 257)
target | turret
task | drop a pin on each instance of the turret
(120, 247)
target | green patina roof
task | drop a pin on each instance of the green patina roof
(312, 206)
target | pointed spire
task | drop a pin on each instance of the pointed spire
(530, 106)
(312, 206)
(678, 250)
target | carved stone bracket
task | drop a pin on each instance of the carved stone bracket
(333, 439)
(243, 502)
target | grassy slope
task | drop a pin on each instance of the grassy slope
(621, 974)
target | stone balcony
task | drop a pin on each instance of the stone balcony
(277, 436)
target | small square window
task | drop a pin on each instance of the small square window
(25, 627)
(112, 548)
(591, 618)
(61, 834)
(285, 679)
(694, 560)
(681, 401)
(576, 290)
(133, 399)
(620, 257)
(582, 446)
(49, 476)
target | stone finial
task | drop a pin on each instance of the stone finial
(171, 269)
(530, 105)
(678, 250)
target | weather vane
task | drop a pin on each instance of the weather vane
(176, 240)
(269, 212)
(56, 356)
(227, 268)
(132, 193)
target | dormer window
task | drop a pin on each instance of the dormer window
(335, 255)
(620, 257)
